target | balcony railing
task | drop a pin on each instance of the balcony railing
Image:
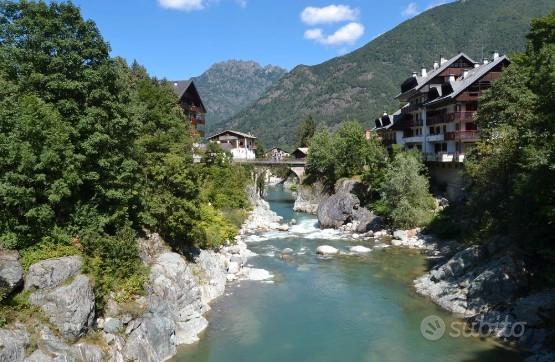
(412, 139)
(435, 137)
(444, 157)
(462, 116)
(462, 136)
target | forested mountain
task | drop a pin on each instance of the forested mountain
(229, 87)
(362, 84)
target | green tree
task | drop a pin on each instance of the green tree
(405, 192)
(305, 132)
(259, 151)
(512, 168)
(321, 158)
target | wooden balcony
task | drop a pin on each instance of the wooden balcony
(465, 136)
(461, 116)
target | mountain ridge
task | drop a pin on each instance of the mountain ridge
(360, 85)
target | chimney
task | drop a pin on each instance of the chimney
(384, 113)
(465, 73)
(476, 65)
(436, 65)
(495, 55)
(414, 74)
(485, 60)
(424, 72)
(451, 77)
(442, 60)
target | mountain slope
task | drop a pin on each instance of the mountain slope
(362, 84)
(228, 87)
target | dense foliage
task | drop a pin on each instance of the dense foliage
(93, 151)
(512, 170)
(405, 197)
(344, 153)
(362, 84)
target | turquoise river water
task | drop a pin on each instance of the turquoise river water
(344, 308)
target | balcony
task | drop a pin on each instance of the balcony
(465, 136)
(444, 157)
(413, 139)
(462, 116)
(435, 138)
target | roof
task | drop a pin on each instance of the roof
(392, 119)
(241, 134)
(422, 81)
(302, 149)
(474, 75)
(180, 87)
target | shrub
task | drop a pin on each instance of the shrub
(405, 192)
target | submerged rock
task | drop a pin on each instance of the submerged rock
(326, 250)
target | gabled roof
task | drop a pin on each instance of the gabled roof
(422, 81)
(391, 118)
(302, 150)
(237, 133)
(180, 87)
(474, 75)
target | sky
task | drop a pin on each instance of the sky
(178, 39)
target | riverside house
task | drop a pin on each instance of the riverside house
(437, 117)
(240, 145)
(191, 103)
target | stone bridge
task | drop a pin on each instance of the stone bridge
(297, 166)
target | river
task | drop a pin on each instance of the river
(343, 308)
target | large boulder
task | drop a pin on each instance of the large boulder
(501, 282)
(212, 273)
(52, 272)
(150, 246)
(11, 272)
(13, 344)
(337, 210)
(460, 263)
(365, 221)
(152, 341)
(177, 295)
(350, 186)
(69, 307)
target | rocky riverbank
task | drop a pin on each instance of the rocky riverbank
(150, 327)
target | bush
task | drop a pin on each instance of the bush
(216, 229)
(405, 192)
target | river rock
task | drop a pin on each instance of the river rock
(154, 340)
(150, 246)
(233, 268)
(360, 249)
(210, 269)
(69, 307)
(337, 210)
(326, 250)
(255, 274)
(52, 272)
(11, 272)
(366, 221)
(176, 295)
(13, 345)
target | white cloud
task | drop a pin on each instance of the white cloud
(410, 11)
(347, 34)
(328, 14)
(192, 5)
(186, 5)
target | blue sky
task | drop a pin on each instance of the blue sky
(177, 39)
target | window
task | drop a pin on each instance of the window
(444, 128)
(457, 127)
